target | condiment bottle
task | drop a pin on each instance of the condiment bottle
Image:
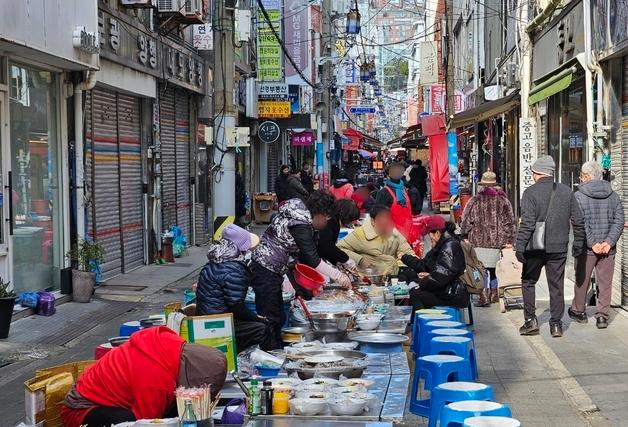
(267, 398)
(280, 402)
(254, 398)
(189, 418)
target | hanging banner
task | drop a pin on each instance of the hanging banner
(527, 152)
(439, 167)
(297, 34)
(269, 54)
(429, 63)
(452, 155)
(302, 138)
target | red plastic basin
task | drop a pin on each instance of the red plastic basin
(307, 277)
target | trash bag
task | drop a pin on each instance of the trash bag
(179, 242)
(28, 299)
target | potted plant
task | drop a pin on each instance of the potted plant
(7, 302)
(83, 256)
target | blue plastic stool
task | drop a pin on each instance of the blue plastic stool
(419, 321)
(491, 422)
(458, 346)
(446, 393)
(128, 328)
(458, 412)
(424, 340)
(454, 312)
(436, 369)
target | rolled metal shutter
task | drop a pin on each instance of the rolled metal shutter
(104, 221)
(182, 148)
(168, 158)
(131, 197)
(618, 155)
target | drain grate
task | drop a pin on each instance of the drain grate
(129, 288)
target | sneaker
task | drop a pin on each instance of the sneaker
(556, 329)
(577, 317)
(601, 323)
(530, 327)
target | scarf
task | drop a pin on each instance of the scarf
(398, 187)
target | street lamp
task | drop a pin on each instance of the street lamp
(353, 20)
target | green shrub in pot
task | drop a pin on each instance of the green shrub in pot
(83, 278)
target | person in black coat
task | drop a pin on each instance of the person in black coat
(224, 282)
(440, 270)
(281, 184)
(346, 213)
(306, 177)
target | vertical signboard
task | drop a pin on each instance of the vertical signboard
(429, 63)
(269, 55)
(452, 156)
(296, 30)
(527, 152)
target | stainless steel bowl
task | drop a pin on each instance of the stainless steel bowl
(331, 322)
(347, 354)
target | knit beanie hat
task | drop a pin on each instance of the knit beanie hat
(240, 237)
(544, 166)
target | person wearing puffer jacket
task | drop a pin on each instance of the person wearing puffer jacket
(290, 238)
(342, 188)
(224, 282)
(603, 225)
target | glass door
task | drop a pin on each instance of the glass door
(33, 179)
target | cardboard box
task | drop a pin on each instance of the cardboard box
(214, 330)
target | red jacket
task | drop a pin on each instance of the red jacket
(140, 375)
(343, 192)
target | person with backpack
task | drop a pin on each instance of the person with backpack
(439, 273)
(488, 223)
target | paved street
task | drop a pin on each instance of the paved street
(581, 379)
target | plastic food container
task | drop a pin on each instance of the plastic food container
(266, 371)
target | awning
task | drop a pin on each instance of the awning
(486, 111)
(353, 139)
(553, 84)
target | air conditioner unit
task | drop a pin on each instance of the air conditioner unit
(138, 3)
(193, 10)
(169, 6)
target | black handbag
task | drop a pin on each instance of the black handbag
(455, 288)
(537, 240)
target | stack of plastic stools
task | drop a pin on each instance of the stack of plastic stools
(457, 412)
(452, 311)
(424, 333)
(446, 393)
(417, 328)
(436, 369)
(458, 346)
(491, 422)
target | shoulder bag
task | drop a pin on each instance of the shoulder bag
(537, 240)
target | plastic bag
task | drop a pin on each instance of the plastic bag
(29, 299)
(234, 412)
(95, 267)
(179, 242)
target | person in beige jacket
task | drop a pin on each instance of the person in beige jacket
(376, 244)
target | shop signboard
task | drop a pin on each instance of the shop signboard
(274, 109)
(297, 34)
(124, 43)
(362, 109)
(268, 132)
(527, 152)
(302, 138)
(272, 91)
(438, 99)
(203, 37)
(452, 156)
(429, 63)
(269, 55)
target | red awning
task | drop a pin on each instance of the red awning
(433, 124)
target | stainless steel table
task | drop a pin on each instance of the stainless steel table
(289, 422)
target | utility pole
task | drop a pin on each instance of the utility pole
(223, 170)
(328, 122)
(449, 72)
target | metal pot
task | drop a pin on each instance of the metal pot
(331, 322)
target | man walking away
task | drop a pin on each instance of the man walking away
(418, 179)
(535, 208)
(603, 224)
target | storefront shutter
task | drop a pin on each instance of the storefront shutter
(182, 148)
(618, 155)
(131, 198)
(168, 158)
(104, 218)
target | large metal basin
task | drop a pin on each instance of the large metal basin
(331, 322)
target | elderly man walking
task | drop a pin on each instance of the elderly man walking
(554, 205)
(603, 223)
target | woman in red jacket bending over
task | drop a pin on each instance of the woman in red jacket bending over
(137, 380)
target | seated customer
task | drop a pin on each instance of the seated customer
(376, 244)
(137, 380)
(439, 272)
(223, 283)
(346, 213)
